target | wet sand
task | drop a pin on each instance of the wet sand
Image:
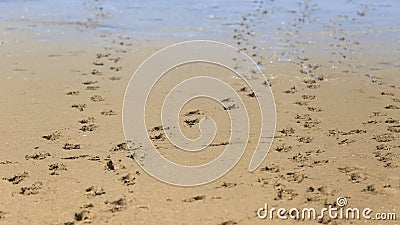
(64, 160)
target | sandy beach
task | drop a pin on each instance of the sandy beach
(334, 74)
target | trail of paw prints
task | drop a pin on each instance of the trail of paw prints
(20, 181)
(319, 194)
(91, 86)
(346, 138)
(356, 175)
(89, 212)
(99, 200)
(343, 44)
(244, 38)
(387, 143)
(387, 149)
(299, 148)
(307, 121)
(70, 149)
(282, 180)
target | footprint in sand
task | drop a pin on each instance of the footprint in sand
(80, 107)
(229, 222)
(284, 193)
(324, 190)
(392, 121)
(192, 122)
(308, 97)
(319, 193)
(16, 179)
(108, 112)
(102, 55)
(89, 82)
(115, 60)
(293, 177)
(300, 158)
(194, 112)
(301, 103)
(52, 137)
(94, 191)
(38, 156)
(292, 90)
(311, 124)
(314, 109)
(313, 86)
(116, 68)
(97, 63)
(87, 206)
(55, 167)
(371, 189)
(287, 131)
(374, 114)
(220, 144)
(71, 93)
(92, 88)
(392, 107)
(383, 138)
(394, 129)
(87, 120)
(283, 148)
(252, 95)
(96, 72)
(158, 137)
(383, 147)
(110, 165)
(115, 78)
(69, 146)
(231, 107)
(387, 157)
(31, 190)
(309, 81)
(97, 98)
(354, 131)
(120, 147)
(195, 198)
(227, 185)
(117, 205)
(303, 117)
(89, 127)
(354, 175)
(305, 140)
(157, 128)
(7, 162)
(387, 93)
(84, 216)
(128, 179)
(76, 157)
(346, 141)
(272, 169)
(357, 177)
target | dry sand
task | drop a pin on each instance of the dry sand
(63, 158)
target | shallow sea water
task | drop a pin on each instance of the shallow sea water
(194, 19)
